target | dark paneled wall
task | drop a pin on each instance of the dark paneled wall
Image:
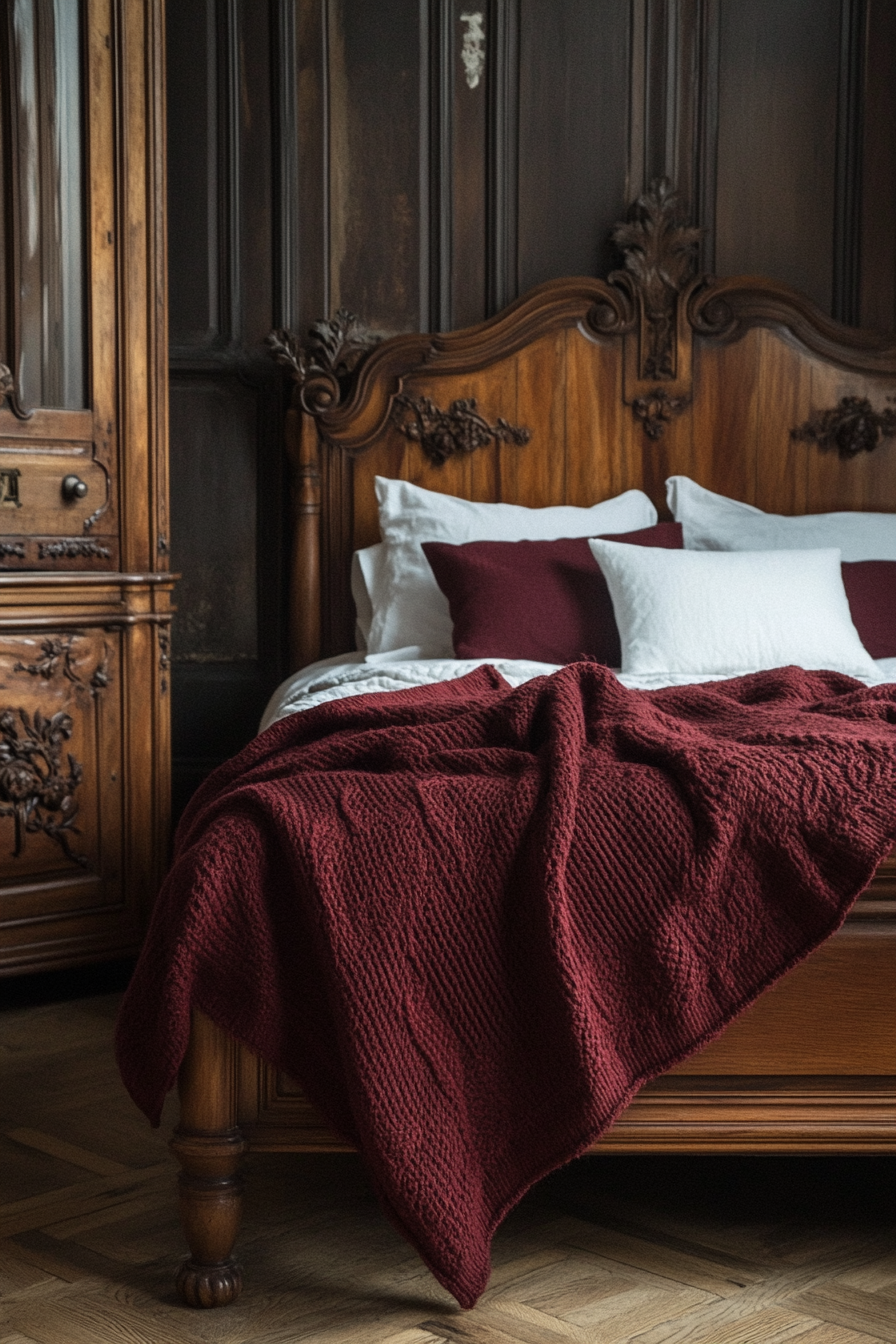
(877, 237)
(226, 399)
(776, 163)
(574, 149)
(422, 162)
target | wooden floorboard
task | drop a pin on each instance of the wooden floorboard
(609, 1251)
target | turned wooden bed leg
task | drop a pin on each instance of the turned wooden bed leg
(209, 1146)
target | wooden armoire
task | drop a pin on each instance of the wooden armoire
(84, 588)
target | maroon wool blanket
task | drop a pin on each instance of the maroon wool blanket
(473, 921)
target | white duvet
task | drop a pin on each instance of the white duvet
(356, 674)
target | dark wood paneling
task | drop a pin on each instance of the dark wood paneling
(374, 161)
(301, 209)
(234, 72)
(877, 297)
(250, 101)
(213, 519)
(193, 197)
(469, 82)
(573, 147)
(848, 161)
(777, 141)
(673, 104)
(502, 155)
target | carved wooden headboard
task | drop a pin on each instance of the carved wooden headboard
(581, 389)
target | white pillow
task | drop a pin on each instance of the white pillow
(366, 565)
(409, 608)
(730, 612)
(713, 523)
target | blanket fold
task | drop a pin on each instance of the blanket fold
(473, 921)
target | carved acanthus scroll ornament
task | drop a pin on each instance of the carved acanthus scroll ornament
(453, 433)
(660, 251)
(323, 366)
(853, 426)
(326, 361)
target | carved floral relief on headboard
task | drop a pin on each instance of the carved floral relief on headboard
(653, 327)
(658, 302)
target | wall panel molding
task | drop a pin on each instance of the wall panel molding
(229, 85)
(304, 164)
(204, 176)
(673, 105)
(877, 245)
(287, 236)
(502, 154)
(436, 176)
(845, 298)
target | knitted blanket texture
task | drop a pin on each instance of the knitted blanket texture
(472, 921)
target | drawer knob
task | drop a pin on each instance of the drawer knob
(73, 488)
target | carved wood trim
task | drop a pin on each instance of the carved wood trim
(73, 548)
(725, 309)
(456, 432)
(164, 636)
(333, 350)
(853, 426)
(348, 386)
(660, 254)
(660, 251)
(9, 392)
(58, 658)
(656, 409)
(34, 791)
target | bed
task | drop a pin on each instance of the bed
(582, 390)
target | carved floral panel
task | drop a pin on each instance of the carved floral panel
(59, 752)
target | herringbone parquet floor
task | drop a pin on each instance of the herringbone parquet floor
(653, 1250)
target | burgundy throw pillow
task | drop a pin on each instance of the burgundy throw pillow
(542, 600)
(871, 588)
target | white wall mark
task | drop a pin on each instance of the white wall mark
(473, 51)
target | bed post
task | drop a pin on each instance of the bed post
(209, 1146)
(304, 588)
(318, 369)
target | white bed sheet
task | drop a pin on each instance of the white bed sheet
(359, 674)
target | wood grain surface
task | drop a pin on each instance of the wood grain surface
(612, 1250)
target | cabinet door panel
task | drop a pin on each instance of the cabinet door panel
(60, 773)
(45, 200)
(58, 420)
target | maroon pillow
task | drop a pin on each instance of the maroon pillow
(871, 588)
(543, 600)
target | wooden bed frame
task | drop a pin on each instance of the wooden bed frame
(582, 389)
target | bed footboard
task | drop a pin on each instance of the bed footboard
(209, 1146)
